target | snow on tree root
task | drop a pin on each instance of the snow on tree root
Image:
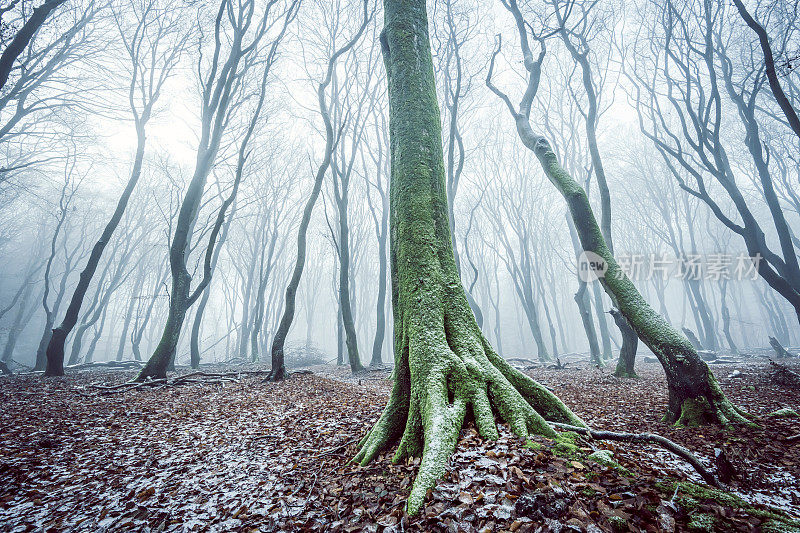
(447, 380)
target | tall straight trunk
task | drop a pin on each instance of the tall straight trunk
(244, 321)
(139, 329)
(600, 313)
(97, 334)
(557, 312)
(627, 353)
(380, 327)
(265, 269)
(584, 307)
(21, 319)
(128, 318)
(726, 315)
(709, 332)
(339, 337)
(443, 364)
(55, 347)
(194, 339)
(342, 190)
(543, 297)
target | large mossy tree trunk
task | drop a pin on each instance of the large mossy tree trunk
(443, 364)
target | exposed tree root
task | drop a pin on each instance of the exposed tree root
(663, 442)
(439, 378)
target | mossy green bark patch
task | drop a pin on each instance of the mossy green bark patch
(694, 412)
(566, 449)
(690, 495)
(784, 413)
(701, 522)
(606, 458)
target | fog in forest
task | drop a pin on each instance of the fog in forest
(194, 184)
(107, 90)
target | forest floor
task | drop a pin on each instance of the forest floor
(244, 455)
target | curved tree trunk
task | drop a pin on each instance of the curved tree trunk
(278, 371)
(444, 366)
(694, 394)
(55, 347)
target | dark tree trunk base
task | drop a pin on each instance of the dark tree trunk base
(55, 353)
(276, 375)
(630, 342)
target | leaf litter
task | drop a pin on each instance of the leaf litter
(248, 456)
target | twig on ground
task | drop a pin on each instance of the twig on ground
(665, 443)
(329, 451)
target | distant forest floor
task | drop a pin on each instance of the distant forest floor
(245, 455)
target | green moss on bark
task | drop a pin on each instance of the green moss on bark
(690, 495)
(444, 366)
(688, 377)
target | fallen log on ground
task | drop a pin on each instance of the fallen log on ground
(107, 364)
(194, 377)
(783, 376)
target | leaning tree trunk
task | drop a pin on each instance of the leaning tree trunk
(55, 347)
(693, 338)
(444, 365)
(694, 394)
